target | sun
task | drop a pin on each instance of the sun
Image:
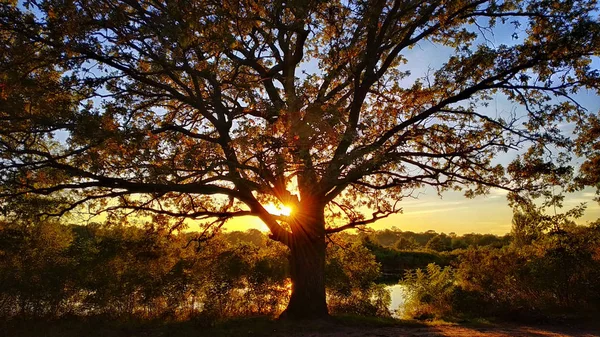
(278, 209)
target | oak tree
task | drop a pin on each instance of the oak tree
(210, 110)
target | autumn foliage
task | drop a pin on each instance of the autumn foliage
(212, 110)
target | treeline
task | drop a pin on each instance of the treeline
(553, 273)
(52, 270)
(433, 241)
(401, 251)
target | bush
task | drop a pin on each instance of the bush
(558, 274)
(50, 270)
(351, 272)
(429, 292)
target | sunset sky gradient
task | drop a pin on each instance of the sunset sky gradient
(452, 212)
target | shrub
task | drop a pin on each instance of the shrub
(351, 272)
(429, 291)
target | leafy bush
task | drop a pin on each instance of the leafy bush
(351, 274)
(429, 292)
(557, 274)
(35, 269)
(48, 269)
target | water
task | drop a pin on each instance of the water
(397, 293)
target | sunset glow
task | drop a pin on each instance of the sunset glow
(278, 209)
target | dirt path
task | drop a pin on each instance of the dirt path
(450, 331)
(266, 327)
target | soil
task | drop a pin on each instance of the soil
(452, 331)
(267, 327)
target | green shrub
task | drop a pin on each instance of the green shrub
(429, 292)
(351, 271)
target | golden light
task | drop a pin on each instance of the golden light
(278, 209)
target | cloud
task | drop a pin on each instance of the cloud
(486, 222)
(573, 201)
(432, 209)
(497, 193)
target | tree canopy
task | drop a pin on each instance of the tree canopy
(212, 109)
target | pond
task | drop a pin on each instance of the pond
(398, 295)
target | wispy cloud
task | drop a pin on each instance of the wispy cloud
(486, 222)
(573, 201)
(496, 193)
(433, 209)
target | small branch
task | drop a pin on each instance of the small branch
(377, 215)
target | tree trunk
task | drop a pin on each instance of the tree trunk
(307, 270)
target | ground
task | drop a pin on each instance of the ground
(261, 326)
(455, 331)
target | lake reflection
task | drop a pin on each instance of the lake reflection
(397, 292)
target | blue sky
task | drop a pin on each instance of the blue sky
(452, 212)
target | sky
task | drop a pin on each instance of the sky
(484, 214)
(452, 212)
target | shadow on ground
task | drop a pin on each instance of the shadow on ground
(262, 326)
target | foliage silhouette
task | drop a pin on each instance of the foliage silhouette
(554, 276)
(211, 110)
(50, 270)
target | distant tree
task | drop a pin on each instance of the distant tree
(210, 110)
(440, 243)
(252, 235)
(386, 237)
(420, 238)
(34, 269)
(530, 222)
(406, 243)
(459, 242)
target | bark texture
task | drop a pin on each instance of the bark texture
(307, 269)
